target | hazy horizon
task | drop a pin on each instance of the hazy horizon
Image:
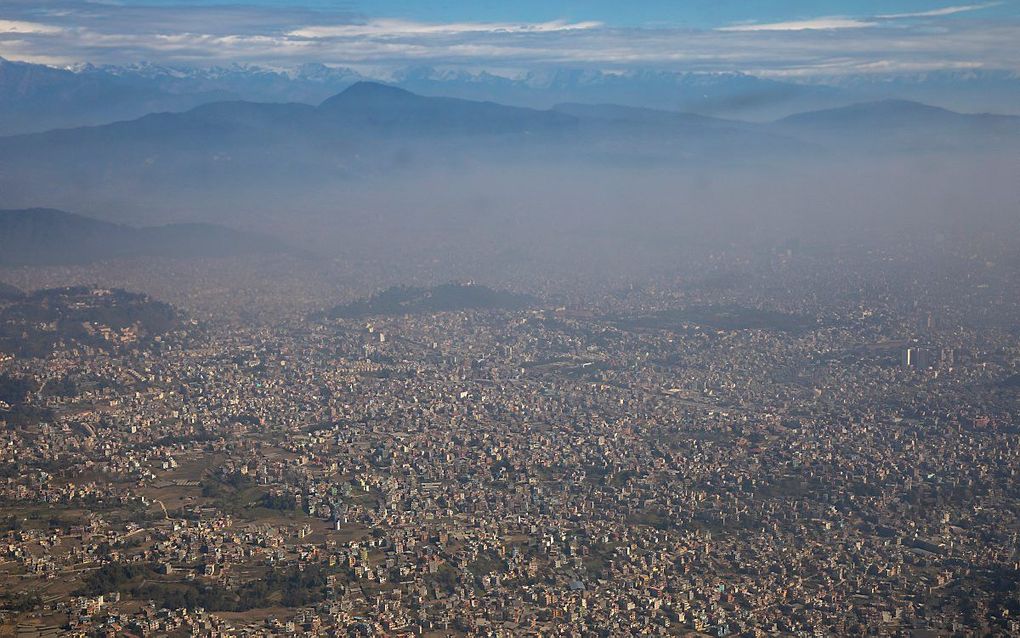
(487, 319)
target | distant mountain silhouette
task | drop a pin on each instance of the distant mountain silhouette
(34, 97)
(374, 129)
(891, 113)
(390, 109)
(368, 94)
(46, 236)
(8, 291)
(368, 128)
(346, 122)
(905, 124)
(902, 126)
(688, 133)
(729, 94)
(639, 115)
(364, 110)
(405, 300)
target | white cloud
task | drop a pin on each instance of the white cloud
(285, 37)
(389, 27)
(844, 22)
(22, 27)
(815, 24)
(945, 11)
(879, 67)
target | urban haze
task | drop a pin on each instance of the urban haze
(476, 319)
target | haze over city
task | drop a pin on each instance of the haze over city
(509, 319)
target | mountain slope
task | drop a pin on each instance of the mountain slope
(38, 323)
(394, 110)
(403, 300)
(638, 115)
(643, 132)
(34, 97)
(365, 107)
(734, 95)
(8, 291)
(46, 236)
(889, 114)
(371, 130)
(369, 127)
(904, 124)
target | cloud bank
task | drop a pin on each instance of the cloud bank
(396, 28)
(75, 31)
(803, 25)
(945, 11)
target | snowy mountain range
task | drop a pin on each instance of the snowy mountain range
(36, 97)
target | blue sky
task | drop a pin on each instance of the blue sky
(777, 37)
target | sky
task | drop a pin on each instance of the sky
(766, 37)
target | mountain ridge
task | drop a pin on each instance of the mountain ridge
(904, 111)
(47, 236)
(380, 105)
(372, 129)
(35, 97)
